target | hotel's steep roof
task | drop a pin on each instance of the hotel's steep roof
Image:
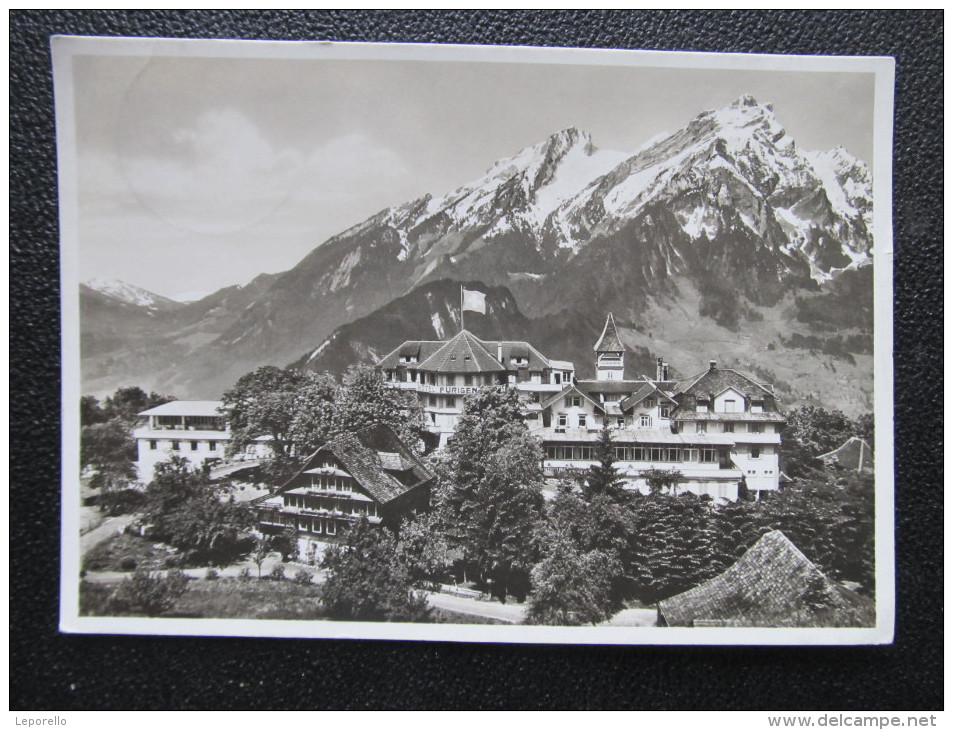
(467, 353)
(463, 353)
(609, 341)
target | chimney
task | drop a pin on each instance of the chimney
(658, 369)
(711, 364)
(664, 371)
(499, 351)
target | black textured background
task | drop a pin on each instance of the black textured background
(53, 671)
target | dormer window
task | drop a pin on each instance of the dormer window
(702, 405)
(665, 411)
(757, 406)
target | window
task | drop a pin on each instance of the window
(701, 427)
(664, 411)
(194, 445)
(468, 379)
(620, 422)
(561, 420)
(731, 405)
(176, 445)
(645, 421)
(757, 406)
(755, 452)
(331, 527)
(729, 427)
(153, 445)
(672, 455)
(655, 453)
(701, 405)
(755, 427)
(582, 421)
(557, 378)
(213, 446)
(573, 401)
(708, 456)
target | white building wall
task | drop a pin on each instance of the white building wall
(164, 450)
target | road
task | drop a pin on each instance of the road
(510, 612)
(108, 528)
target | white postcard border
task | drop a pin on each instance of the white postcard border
(65, 48)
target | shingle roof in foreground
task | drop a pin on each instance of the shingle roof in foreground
(772, 584)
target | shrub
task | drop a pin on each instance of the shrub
(128, 564)
(277, 573)
(211, 574)
(244, 575)
(303, 577)
(150, 592)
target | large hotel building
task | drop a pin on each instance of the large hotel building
(718, 428)
(442, 373)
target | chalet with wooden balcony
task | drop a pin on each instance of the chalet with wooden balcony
(370, 473)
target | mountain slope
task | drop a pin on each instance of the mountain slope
(728, 208)
(432, 312)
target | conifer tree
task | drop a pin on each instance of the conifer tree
(602, 477)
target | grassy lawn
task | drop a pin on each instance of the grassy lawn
(254, 599)
(116, 553)
(443, 616)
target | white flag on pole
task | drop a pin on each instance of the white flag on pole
(474, 301)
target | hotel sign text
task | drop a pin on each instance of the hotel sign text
(449, 389)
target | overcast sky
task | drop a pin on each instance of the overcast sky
(198, 173)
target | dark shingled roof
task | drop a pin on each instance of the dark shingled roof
(377, 459)
(610, 386)
(450, 356)
(770, 585)
(609, 340)
(644, 392)
(421, 348)
(463, 353)
(714, 381)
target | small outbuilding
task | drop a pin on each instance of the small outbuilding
(854, 454)
(772, 585)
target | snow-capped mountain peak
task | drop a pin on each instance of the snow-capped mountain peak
(127, 293)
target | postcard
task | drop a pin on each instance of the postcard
(473, 343)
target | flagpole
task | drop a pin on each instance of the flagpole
(461, 307)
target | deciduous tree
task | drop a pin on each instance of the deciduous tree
(493, 498)
(571, 587)
(367, 580)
